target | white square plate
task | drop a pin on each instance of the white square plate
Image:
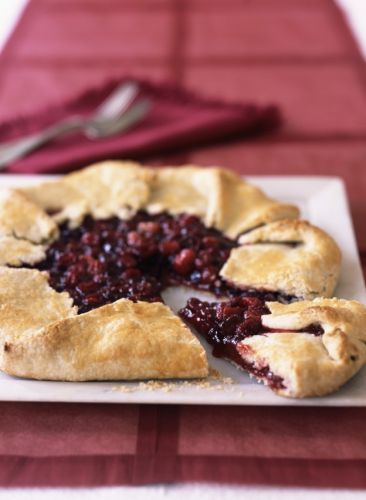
(323, 201)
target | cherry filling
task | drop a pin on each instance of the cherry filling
(104, 260)
(225, 324)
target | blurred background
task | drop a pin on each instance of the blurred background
(299, 55)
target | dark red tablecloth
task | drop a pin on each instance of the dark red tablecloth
(298, 53)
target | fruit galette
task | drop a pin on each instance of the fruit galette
(84, 260)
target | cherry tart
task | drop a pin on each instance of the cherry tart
(84, 260)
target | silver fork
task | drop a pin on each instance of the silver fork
(115, 114)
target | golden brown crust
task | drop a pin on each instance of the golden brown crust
(290, 256)
(245, 206)
(21, 218)
(28, 303)
(112, 187)
(120, 341)
(53, 195)
(187, 189)
(310, 365)
(219, 197)
(15, 252)
(60, 199)
(103, 190)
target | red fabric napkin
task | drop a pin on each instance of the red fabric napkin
(177, 119)
(300, 55)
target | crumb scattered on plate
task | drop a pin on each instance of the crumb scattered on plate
(215, 380)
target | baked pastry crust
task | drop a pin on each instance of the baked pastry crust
(124, 340)
(310, 365)
(245, 206)
(15, 252)
(43, 337)
(103, 190)
(22, 219)
(28, 303)
(59, 199)
(291, 256)
(219, 197)
(187, 189)
(112, 188)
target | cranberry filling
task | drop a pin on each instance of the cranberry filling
(101, 261)
(104, 260)
(274, 381)
(225, 324)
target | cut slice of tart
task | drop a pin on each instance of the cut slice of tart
(43, 338)
(307, 348)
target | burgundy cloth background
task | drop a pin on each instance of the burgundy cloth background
(298, 53)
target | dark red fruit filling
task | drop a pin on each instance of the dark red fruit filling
(104, 260)
(263, 373)
(225, 324)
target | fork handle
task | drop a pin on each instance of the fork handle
(14, 150)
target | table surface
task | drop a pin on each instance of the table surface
(355, 10)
